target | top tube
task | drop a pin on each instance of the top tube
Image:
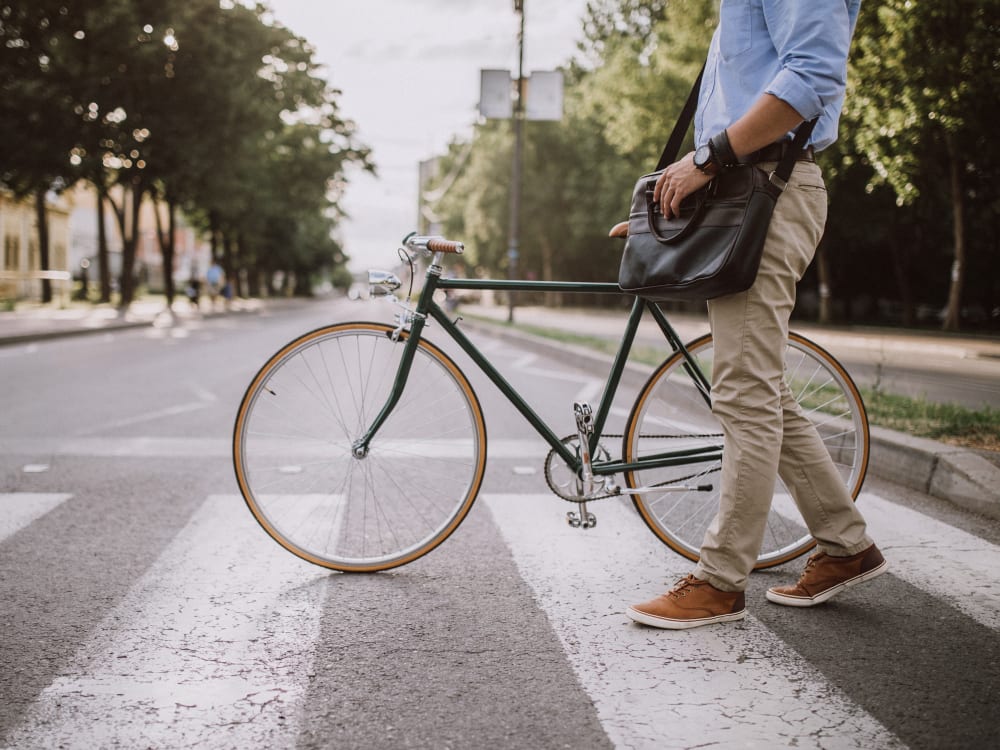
(439, 246)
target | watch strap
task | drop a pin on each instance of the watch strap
(722, 149)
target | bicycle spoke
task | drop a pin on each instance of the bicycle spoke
(295, 460)
(827, 399)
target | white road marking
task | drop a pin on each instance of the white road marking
(212, 647)
(944, 561)
(18, 509)
(722, 685)
(591, 387)
(170, 411)
(167, 447)
(205, 399)
(523, 362)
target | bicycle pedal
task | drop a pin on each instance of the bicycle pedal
(584, 417)
(582, 520)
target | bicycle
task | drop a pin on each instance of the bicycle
(361, 446)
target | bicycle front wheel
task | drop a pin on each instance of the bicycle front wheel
(293, 438)
(672, 413)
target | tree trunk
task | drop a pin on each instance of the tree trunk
(167, 247)
(103, 257)
(213, 237)
(952, 320)
(823, 272)
(901, 268)
(552, 299)
(130, 238)
(42, 218)
(229, 266)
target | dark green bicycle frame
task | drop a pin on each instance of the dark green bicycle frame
(427, 307)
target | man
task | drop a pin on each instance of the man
(772, 64)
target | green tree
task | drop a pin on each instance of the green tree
(37, 125)
(924, 81)
(620, 101)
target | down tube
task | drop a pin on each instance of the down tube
(500, 382)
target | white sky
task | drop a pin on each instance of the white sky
(409, 72)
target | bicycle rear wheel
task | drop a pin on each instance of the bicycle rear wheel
(293, 438)
(672, 413)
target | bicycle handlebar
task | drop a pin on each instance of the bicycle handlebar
(433, 244)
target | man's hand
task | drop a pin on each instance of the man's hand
(676, 183)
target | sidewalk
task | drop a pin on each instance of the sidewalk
(39, 322)
(958, 475)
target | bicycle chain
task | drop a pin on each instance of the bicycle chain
(578, 500)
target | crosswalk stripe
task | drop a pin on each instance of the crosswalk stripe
(146, 447)
(713, 686)
(212, 647)
(214, 644)
(18, 509)
(940, 559)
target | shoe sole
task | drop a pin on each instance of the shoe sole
(668, 624)
(822, 596)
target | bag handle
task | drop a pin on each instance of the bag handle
(689, 225)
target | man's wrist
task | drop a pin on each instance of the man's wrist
(722, 150)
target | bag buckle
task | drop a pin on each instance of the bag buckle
(775, 180)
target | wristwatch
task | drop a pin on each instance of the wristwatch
(705, 160)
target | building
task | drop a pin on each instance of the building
(73, 245)
(21, 271)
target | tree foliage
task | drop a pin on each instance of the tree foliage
(209, 107)
(912, 180)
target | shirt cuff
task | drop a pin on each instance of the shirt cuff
(790, 88)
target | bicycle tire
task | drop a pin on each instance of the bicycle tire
(293, 458)
(669, 401)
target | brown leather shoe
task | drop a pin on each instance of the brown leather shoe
(826, 576)
(690, 603)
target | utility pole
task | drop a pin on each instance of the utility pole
(514, 232)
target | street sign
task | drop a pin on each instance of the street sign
(496, 101)
(545, 95)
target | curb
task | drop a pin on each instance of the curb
(27, 338)
(67, 331)
(947, 472)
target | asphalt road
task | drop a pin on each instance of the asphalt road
(141, 606)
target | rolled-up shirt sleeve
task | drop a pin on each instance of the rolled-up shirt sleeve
(812, 39)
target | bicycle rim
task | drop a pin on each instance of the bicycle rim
(292, 449)
(671, 413)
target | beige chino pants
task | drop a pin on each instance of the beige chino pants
(765, 432)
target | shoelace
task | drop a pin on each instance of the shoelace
(680, 588)
(810, 564)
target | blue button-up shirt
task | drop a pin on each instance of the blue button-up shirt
(793, 49)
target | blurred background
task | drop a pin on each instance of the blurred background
(270, 149)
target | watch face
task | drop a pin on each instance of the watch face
(702, 157)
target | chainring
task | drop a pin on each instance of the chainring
(562, 481)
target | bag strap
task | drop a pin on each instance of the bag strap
(673, 145)
(779, 177)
